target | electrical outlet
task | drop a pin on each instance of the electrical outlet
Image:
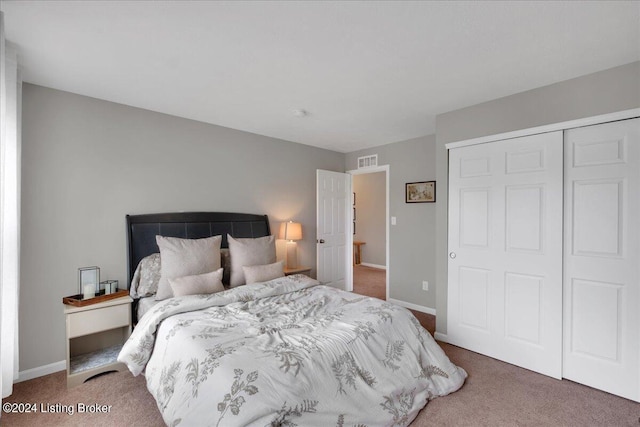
(425, 285)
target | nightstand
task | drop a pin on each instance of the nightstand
(95, 335)
(297, 270)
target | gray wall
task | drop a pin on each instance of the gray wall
(86, 163)
(608, 91)
(411, 248)
(371, 193)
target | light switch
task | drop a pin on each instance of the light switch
(393, 220)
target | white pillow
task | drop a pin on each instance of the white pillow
(262, 273)
(185, 257)
(207, 283)
(245, 252)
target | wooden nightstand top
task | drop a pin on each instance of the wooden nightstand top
(298, 270)
(68, 309)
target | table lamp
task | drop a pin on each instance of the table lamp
(291, 231)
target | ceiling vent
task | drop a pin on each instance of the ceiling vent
(368, 161)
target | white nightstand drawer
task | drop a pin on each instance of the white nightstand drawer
(91, 321)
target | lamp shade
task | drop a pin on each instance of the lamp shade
(291, 230)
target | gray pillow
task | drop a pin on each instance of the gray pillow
(207, 283)
(262, 273)
(186, 257)
(245, 252)
(146, 277)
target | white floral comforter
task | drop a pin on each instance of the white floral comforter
(287, 352)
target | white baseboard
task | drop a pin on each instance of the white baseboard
(41, 371)
(416, 307)
(368, 264)
(441, 337)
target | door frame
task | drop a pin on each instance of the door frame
(385, 169)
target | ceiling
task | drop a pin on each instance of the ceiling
(367, 73)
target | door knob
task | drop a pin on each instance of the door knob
(452, 255)
(320, 241)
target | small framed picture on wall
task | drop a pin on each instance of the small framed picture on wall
(420, 192)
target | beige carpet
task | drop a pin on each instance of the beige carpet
(495, 394)
(132, 404)
(372, 282)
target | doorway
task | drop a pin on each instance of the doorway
(370, 264)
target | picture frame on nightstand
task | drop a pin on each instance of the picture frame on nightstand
(88, 276)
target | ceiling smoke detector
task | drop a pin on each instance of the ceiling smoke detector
(300, 113)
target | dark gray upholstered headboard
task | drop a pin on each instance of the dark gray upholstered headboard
(142, 230)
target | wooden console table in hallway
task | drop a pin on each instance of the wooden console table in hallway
(356, 251)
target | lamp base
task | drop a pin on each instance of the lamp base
(292, 255)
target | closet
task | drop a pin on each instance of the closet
(544, 253)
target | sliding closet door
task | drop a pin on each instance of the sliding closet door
(505, 251)
(602, 257)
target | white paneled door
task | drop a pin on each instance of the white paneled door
(505, 250)
(602, 257)
(333, 190)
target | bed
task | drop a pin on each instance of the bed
(280, 352)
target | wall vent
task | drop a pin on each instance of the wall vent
(368, 161)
